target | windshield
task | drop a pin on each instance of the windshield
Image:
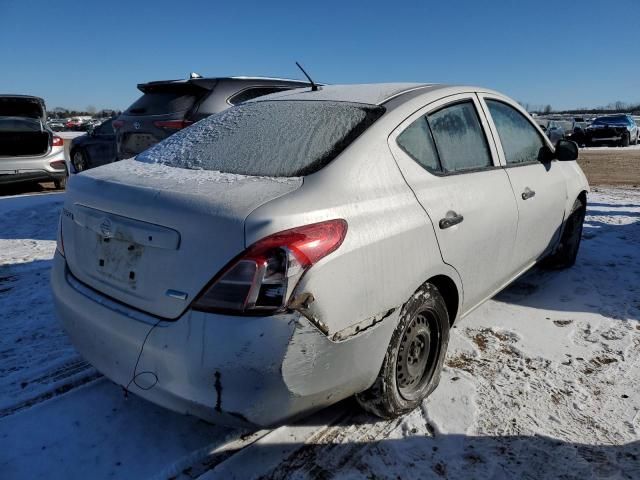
(618, 120)
(269, 138)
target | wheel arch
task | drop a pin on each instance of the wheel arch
(449, 291)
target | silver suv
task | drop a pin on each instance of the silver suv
(29, 150)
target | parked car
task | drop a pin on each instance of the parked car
(29, 150)
(78, 124)
(57, 124)
(554, 131)
(97, 147)
(168, 106)
(577, 132)
(307, 246)
(614, 129)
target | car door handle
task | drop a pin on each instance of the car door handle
(528, 193)
(451, 219)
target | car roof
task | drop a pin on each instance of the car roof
(366, 93)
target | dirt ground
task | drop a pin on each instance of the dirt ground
(611, 166)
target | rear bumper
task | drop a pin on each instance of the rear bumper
(32, 169)
(605, 139)
(225, 369)
(34, 176)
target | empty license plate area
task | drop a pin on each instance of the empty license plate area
(119, 260)
(138, 142)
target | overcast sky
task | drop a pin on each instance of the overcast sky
(80, 53)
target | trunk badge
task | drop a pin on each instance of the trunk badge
(136, 125)
(105, 228)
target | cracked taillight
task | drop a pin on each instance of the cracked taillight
(261, 279)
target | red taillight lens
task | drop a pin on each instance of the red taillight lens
(173, 124)
(117, 124)
(56, 141)
(263, 277)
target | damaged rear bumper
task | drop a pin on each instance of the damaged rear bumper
(225, 369)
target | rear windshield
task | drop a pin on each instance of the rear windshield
(269, 138)
(159, 103)
(611, 121)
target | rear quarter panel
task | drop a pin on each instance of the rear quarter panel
(390, 247)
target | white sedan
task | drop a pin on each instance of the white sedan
(310, 245)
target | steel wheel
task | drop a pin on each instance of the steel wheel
(414, 358)
(417, 355)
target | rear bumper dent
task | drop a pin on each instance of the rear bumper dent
(225, 369)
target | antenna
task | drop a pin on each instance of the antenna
(314, 87)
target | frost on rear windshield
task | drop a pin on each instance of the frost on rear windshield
(270, 138)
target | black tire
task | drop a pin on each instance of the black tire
(79, 160)
(61, 183)
(625, 140)
(635, 142)
(411, 371)
(565, 255)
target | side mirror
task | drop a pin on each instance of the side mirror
(91, 130)
(566, 150)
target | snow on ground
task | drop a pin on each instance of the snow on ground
(540, 382)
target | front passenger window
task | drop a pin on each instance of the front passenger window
(521, 142)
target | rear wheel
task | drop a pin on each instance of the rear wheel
(79, 161)
(415, 356)
(61, 183)
(625, 140)
(565, 255)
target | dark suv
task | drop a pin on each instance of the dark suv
(167, 106)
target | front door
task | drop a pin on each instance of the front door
(443, 153)
(539, 187)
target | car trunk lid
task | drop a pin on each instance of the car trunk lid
(22, 131)
(152, 236)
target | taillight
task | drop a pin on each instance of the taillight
(59, 241)
(173, 124)
(261, 279)
(56, 141)
(117, 124)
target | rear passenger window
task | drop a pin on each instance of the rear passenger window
(416, 140)
(447, 141)
(521, 142)
(251, 93)
(459, 138)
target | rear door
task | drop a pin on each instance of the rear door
(445, 157)
(539, 188)
(103, 149)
